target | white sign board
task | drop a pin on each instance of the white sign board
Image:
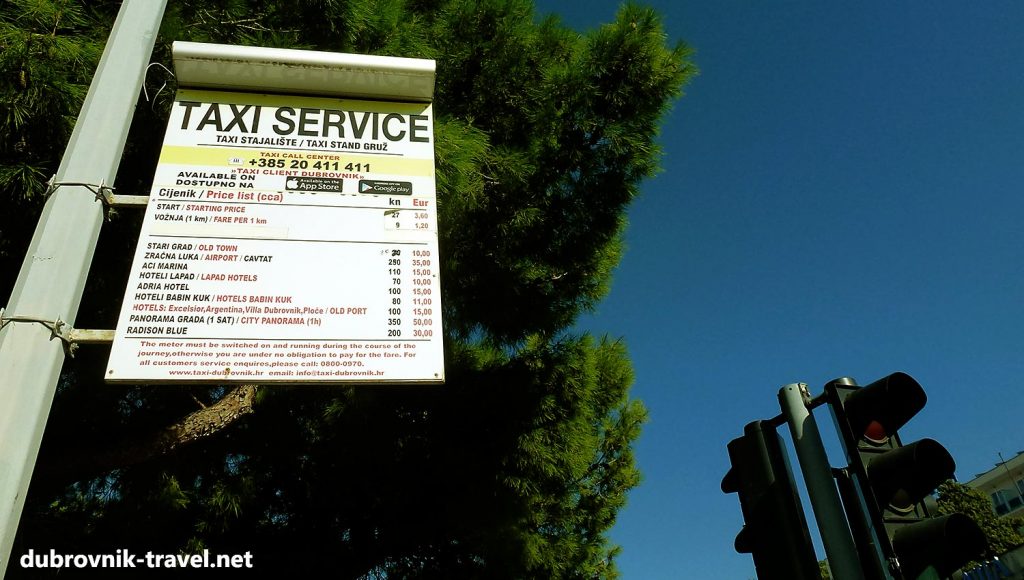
(287, 239)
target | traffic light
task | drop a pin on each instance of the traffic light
(891, 480)
(775, 531)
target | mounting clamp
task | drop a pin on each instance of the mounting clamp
(104, 194)
(69, 336)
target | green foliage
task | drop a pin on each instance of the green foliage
(518, 465)
(564, 114)
(1002, 533)
(48, 51)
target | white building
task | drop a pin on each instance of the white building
(1004, 484)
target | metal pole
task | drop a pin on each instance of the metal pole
(828, 512)
(52, 277)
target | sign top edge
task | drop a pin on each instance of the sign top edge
(285, 70)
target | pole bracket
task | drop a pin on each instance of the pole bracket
(69, 336)
(104, 194)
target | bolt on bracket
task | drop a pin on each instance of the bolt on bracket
(69, 336)
(104, 194)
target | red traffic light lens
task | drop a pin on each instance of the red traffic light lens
(875, 433)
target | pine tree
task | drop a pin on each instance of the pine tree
(48, 52)
(518, 465)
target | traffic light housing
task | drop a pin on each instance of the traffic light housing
(775, 530)
(891, 480)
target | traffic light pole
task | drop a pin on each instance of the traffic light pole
(814, 464)
(52, 278)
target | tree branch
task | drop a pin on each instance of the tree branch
(82, 461)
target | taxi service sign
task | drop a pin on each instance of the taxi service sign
(287, 239)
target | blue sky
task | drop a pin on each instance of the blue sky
(841, 197)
